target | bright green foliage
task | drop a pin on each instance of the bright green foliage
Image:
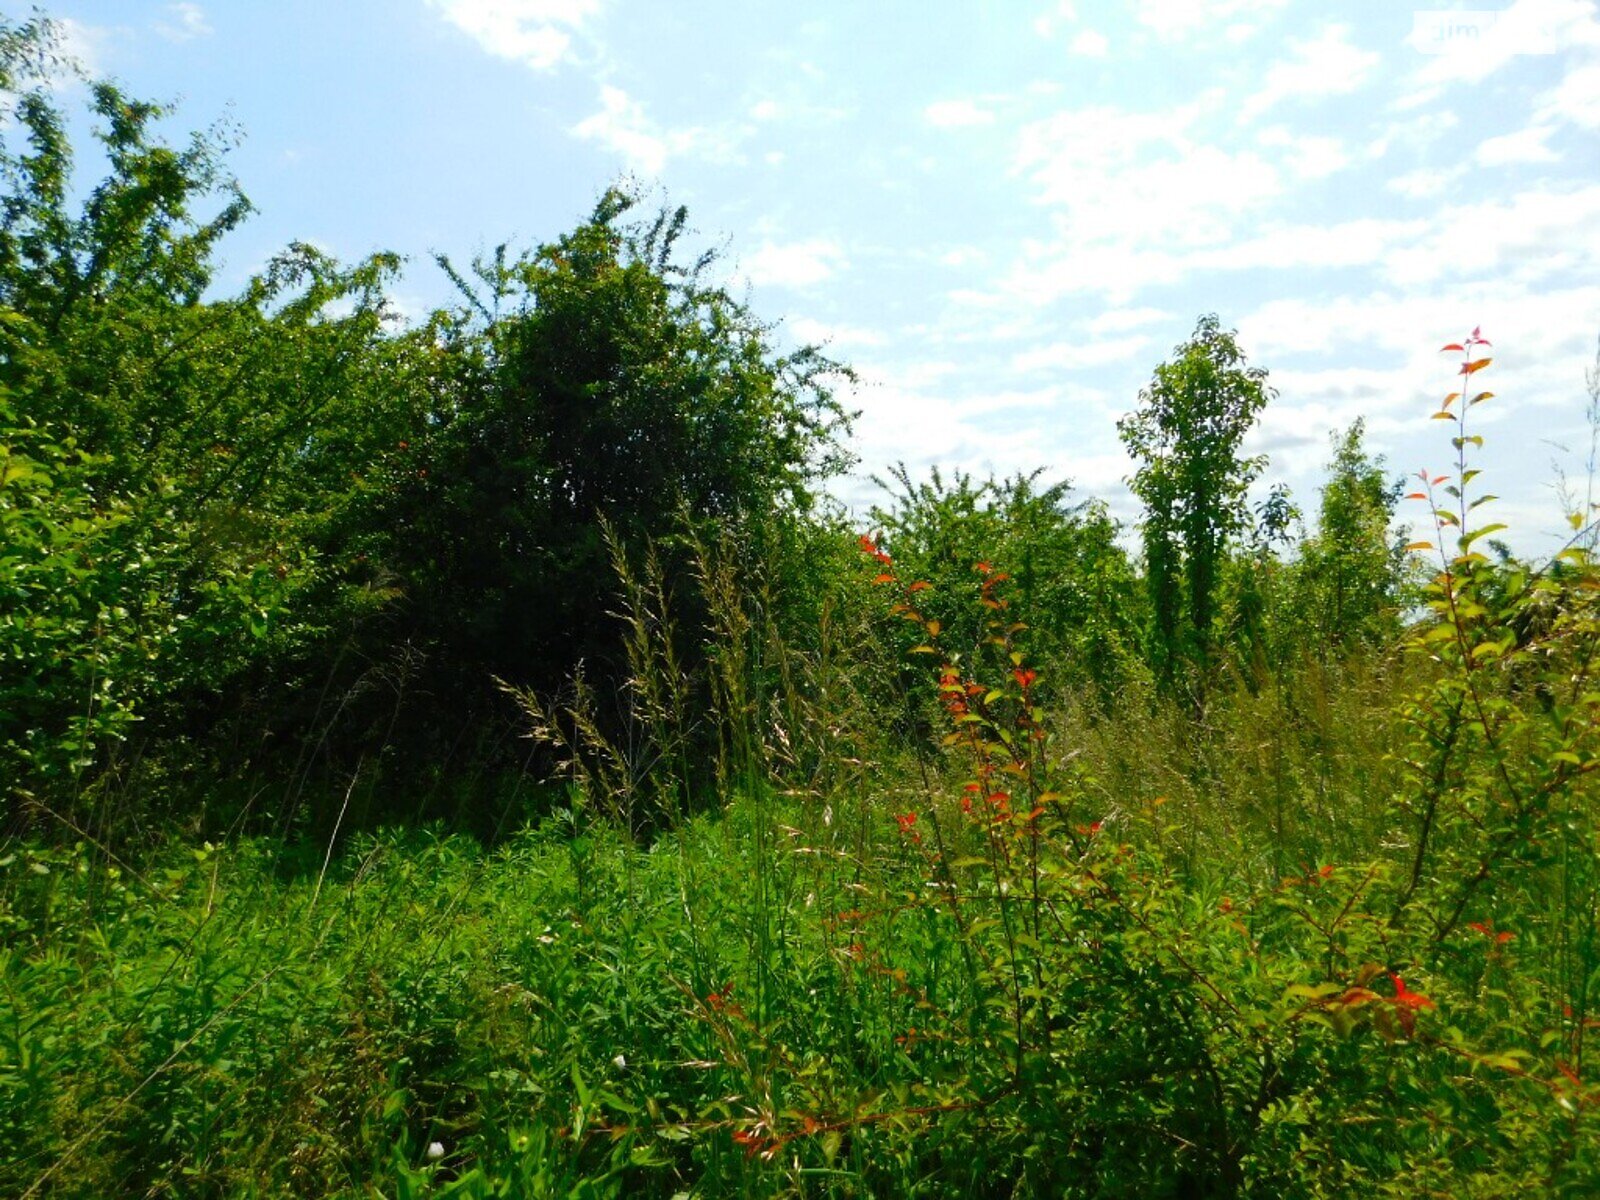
(847, 890)
(172, 457)
(1186, 437)
(1070, 573)
(341, 532)
(1352, 573)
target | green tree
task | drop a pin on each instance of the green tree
(170, 457)
(1353, 571)
(1192, 479)
(1070, 575)
(592, 381)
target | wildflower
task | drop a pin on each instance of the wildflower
(1498, 937)
(1024, 677)
(435, 1151)
(907, 822)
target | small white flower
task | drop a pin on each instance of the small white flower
(435, 1151)
(620, 1062)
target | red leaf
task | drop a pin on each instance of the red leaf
(1453, 346)
(1406, 998)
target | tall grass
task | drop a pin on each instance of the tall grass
(795, 930)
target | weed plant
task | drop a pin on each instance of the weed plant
(1329, 935)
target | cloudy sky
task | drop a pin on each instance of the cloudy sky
(1005, 215)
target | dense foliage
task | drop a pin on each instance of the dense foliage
(473, 758)
(1186, 436)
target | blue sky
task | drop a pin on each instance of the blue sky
(1005, 215)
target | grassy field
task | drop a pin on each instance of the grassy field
(1159, 984)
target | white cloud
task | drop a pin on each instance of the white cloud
(1376, 356)
(822, 333)
(188, 22)
(1120, 320)
(1535, 236)
(1064, 12)
(1308, 156)
(957, 114)
(536, 32)
(1326, 65)
(1072, 356)
(1180, 18)
(963, 256)
(623, 127)
(1469, 46)
(1120, 270)
(1361, 242)
(83, 44)
(1524, 146)
(1423, 184)
(1091, 44)
(1126, 186)
(1576, 99)
(1413, 133)
(922, 421)
(1407, 328)
(794, 264)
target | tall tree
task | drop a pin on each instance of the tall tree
(591, 381)
(1353, 570)
(164, 456)
(1186, 436)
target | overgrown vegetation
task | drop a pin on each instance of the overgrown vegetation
(473, 758)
